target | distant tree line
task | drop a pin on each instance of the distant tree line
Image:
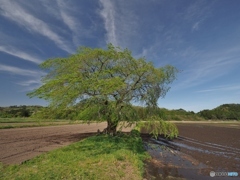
(18, 111)
(92, 113)
(223, 112)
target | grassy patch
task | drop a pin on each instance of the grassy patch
(37, 120)
(98, 157)
(16, 120)
(7, 123)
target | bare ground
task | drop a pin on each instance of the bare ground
(21, 144)
(199, 149)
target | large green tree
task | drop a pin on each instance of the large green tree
(108, 81)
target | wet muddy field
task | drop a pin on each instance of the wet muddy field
(199, 149)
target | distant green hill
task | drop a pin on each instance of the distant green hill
(223, 112)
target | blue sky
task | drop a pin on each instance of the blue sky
(201, 38)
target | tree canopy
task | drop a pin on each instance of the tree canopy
(109, 80)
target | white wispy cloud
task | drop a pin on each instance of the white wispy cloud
(197, 13)
(20, 54)
(31, 80)
(171, 37)
(51, 9)
(221, 88)
(195, 26)
(13, 11)
(207, 65)
(69, 20)
(30, 83)
(72, 23)
(21, 72)
(108, 15)
(123, 25)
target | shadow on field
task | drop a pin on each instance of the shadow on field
(80, 136)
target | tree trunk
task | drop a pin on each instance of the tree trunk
(111, 125)
(111, 128)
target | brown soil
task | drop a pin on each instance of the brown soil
(19, 145)
(221, 145)
(200, 149)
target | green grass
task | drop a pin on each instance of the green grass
(16, 120)
(7, 123)
(29, 120)
(98, 157)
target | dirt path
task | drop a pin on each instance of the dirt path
(21, 144)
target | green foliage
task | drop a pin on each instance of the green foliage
(165, 114)
(104, 83)
(18, 111)
(96, 157)
(180, 115)
(50, 113)
(223, 112)
(157, 126)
